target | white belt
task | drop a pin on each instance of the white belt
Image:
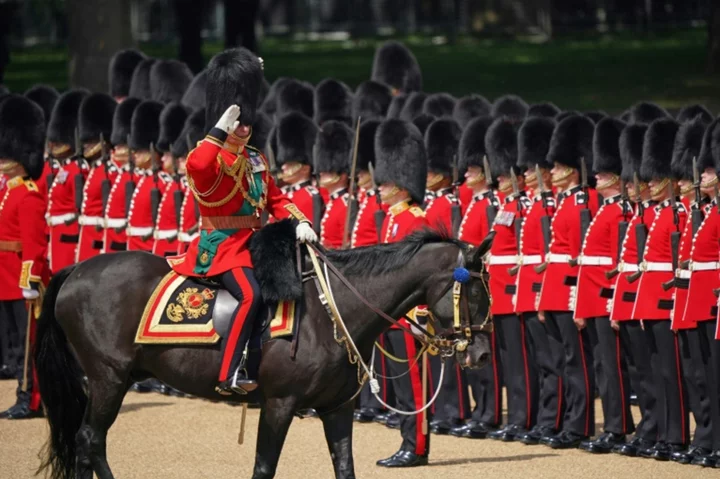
(139, 231)
(115, 222)
(186, 238)
(558, 258)
(683, 273)
(165, 234)
(503, 260)
(90, 220)
(652, 266)
(528, 259)
(627, 267)
(595, 260)
(60, 219)
(704, 266)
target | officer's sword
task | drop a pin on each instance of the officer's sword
(352, 207)
(491, 210)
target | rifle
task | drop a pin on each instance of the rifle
(696, 213)
(518, 219)
(178, 196)
(622, 230)
(49, 178)
(154, 193)
(379, 213)
(130, 185)
(674, 237)
(640, 229)
(79, 177)
(585, 216)
(318, 204)
(545, 220)
(105, 186)
(455, 210)
(352, 208)
(491, 210)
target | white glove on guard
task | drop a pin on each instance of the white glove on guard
(305, 234)
(30, 294)
(229, 120)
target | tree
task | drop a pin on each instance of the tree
(189, 15)
(240, 18)
(713, 60)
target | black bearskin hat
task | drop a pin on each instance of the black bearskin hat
(333, 101)
(606, 146)
(172, 121)
(264, 91)
(469, 107)
(631, 152)
(235, 77)
(595, 116)
(442, 140)
(96, 117)
(122, 121)
(4, 90)
(46, 97)
(260, 131)
(572, 141)
(64, 118)
(140, 84)
(296, 136)
(645, 112)
(396, 106)
(658, 149)
(439, 105)
(401, 159)
(690, 112)
(501, 146)
(422, 121)
(295, 95)
(395, 65)
(472, 142)
(566, 114)
(511, 106)
(709, 150)
(120, 72)
(194, 96)
(366, 144)
(168, 80)
(413, 106)
(546, 109)
(192, 132)
(688, 143)
(534, 138)
(371, 100)
(270, 102)
(334, 143)
(22, 133)
(145, 125)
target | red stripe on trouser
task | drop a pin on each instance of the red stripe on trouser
(416, 383)
(35, 390)
(461, 408)
(245, 305)
(558, 418)
(496, 379)
(528, 401)
(587, 385)
(620, 376)
(680, 388)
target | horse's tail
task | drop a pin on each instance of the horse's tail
(61, 388)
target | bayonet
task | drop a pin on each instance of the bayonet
(518, 219)
(455, 210)
(545, 219)
(487, 171)
(351, 211)
(105, 186)
(696, 214)
(79, 179)
(379, 213)
(514, 182)
(491, 210)
(154, 192)
(585, 217)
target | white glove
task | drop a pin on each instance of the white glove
(228, 121)
(305, 234)
(30, 293)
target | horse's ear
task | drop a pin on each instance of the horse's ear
(480, 251)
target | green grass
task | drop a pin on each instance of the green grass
(593, 72)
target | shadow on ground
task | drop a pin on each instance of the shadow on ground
(480, 460)
(142, 405)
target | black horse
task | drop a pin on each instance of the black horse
(92, 310)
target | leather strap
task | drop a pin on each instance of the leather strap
(230, 222)
(13, 246)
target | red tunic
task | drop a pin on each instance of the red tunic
(115, 215)
(91, 214)
(438, 209)
(365, 231)
(189, 219)
(62, 215)
(465, 196)
(701, 301)
(681, 286)
(474, 226)
(140, 217)
(332, 226)
(303, 196)
(166, 223)
(532, 249)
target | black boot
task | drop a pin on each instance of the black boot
(532, 437)
(404, 459)
(566, 440)
(471, 429)
(366, 414)
(21, 410)
(689, 455)
(393, 420)
(508, 433)
(664, 451)
(633, 447)
(603, 444)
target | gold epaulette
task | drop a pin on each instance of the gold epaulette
(31, 185)
(213, 140)
(417, 212)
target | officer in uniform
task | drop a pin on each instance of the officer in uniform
(571, 143)
(396, 66)
(511, 106)
(96, 116)
(120, 72)
(46, 97)
(401, 174)
(232, 193)
(193, 132)
(169, 79)
(332, 164)
(470, 107)
(371, 100)
(23, 244)
(333, 101)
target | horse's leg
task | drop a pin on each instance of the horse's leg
(275, 418)
(338, 433)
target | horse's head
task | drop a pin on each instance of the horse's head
(460, 302)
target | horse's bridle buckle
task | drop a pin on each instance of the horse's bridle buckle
(433, 349)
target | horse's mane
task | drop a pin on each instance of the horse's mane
(380, 259)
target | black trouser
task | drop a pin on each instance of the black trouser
(710, 352)
(695, 363)
(17, 315)
(486, 386)
(673, 420)
(367, 399)
(453, 402)
(579, 375)
(408, 390)
(7, 337)
(641, 377)
(547, 353)
(614, 383)
(520, 372)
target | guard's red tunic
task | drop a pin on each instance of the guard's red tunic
(140, 217)
(166, 222)
(303, 196)
(91, 213)
(703, 271)
(438, 210)
(332, 226)
(365, 231)
(189, 218)
(115, 238)
(681, 285)
(62, 214)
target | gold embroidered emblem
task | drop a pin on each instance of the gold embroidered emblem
(204, 258)
(295, 212)
(191, 303)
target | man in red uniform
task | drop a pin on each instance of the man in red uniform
(599, 255)
(654, 303)
(396, 66)
(193, 132)
(571, 143)
(332, 164)
(401, 174)
(23, 245)
(232, 193)
(65, 194)
(46, 97)
(96, 116)
(120, 72)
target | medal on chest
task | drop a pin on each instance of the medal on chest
(505, 218)
(394, 230)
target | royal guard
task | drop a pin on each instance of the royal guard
(169, 79)
(233, 186)
(194, 96)
(24, 270)
(645, 113)
(193, 132)
(401, 174)
(546, 110)
(140, 82)
(599, 255)
(511, 106)
(654, 302)
(96, 116)
(533, 145)
(485, 383)
(334, 145)
(371, 100)
(46, 97)
(571, 145)
(65, 193)
(117, 207)
(396, 66)
(439, 105)
(332, 102)
(120, 72)
(413, 107)
(294, 96)
(692, 112)
(470, 107)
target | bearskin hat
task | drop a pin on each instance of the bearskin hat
(546, 109)
(45, 96)
(690, 112)
(709, 150)
(566, 114)
(4, 90)
(413, 106)
(511, 106)
(295, 95)
(333, 101)
(631, 152)
(396, 106)
(120, 71)
(169, 79)
(596, 115)
(96, 117)
(395, 65)
(366, 144)
(264, 90)
(625, 116)
(501, 146)
(472, 142)
(688, 143)
(296, 136)
(22, 133)
(122, 120)
(64, 117)
(422, 122)
(442, 140)
(192, 132)
(439, 105)
(172, 121)
(260, 131)
(334, 143)
(606, 146)
(572, 141)
(469, 107)
(645, 112)
(534, 138)
(234, 78)
(194, 96)
(371, 100)
(270, 103)
(140, 83)
(145, 125)
(401, 158)
(658, 147)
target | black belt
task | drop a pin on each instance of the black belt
(115, 246)
(607, 293)
(629, 297)
(666, 304)
(97, 244)
(69, 238)
(537, 287)
(570, 281)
